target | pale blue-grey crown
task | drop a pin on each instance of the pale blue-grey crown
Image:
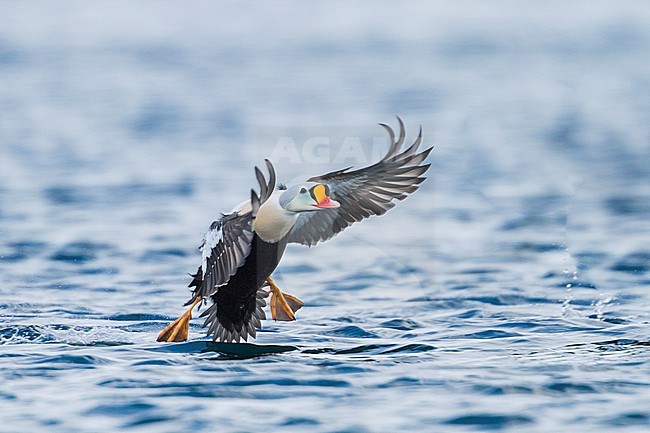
(292, 192)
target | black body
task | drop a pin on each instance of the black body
(235, 301)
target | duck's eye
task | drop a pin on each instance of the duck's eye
(303, 190)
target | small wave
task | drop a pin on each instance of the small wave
(7, 396)
(300, 421)
(351, 331)
(490, 421)
(534, 221)
(373, 349)
(589, 259)
(623, 343)
(121, 409)
(411, 348)
(401, 382)
(503, 389)
(576, 284)
(110, 270)
(401, 324)
(66, 195)
(24, 334)
(69, 195)
(154, 419)
(288, 381)
(156, 362)
(135, 317)
(635, 263)
(79, 360)
(480, 271)
(156, 256)
(23, 250)
(498, 300)
(606, 317)
(363, 349)
(630, 419)
(79, 252)
(491, 334)
(628, 205)
(99, 343)
(537, 247)
(299, 269)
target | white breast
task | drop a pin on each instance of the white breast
(272, 222)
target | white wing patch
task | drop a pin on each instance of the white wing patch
(215, 235)
(210, 240)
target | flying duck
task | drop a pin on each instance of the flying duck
(241, 249)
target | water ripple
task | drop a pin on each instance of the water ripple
(510, 293)
(24, 334)
(490, 421)
(638, 262)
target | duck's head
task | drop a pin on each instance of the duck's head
(307, 197)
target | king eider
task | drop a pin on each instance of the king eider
(242, 248)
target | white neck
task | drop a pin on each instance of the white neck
(272, 222)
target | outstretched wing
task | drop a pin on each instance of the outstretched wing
(225, 249)
(364, 192)
(228, 242)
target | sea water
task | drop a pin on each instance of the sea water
(510, 292)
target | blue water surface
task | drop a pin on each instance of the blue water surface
(510, 293)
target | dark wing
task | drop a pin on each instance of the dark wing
(225, 249)
(364, 192)
(228, 242)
